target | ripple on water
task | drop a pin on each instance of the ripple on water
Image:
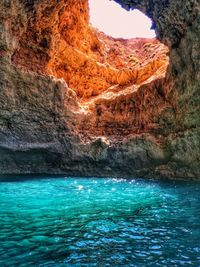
(99, 222)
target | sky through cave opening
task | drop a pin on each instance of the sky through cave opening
(110, 18)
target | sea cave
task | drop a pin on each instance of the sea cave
(99, 134)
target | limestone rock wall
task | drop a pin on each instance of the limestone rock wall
(127, 127)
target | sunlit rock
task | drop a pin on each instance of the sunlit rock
(76, 101)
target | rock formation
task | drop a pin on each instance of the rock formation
(77, 102)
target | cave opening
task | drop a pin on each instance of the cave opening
(110, 18)
(111, 78)
(95, 64)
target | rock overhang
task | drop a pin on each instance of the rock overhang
(163, 111)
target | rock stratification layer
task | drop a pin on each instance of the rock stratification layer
(76, 101)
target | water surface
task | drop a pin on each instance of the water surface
(58, 222)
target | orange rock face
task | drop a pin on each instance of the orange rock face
(105, 62)
(109, 76)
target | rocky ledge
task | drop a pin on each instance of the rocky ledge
(77, 102)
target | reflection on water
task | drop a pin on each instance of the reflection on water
(99, 222)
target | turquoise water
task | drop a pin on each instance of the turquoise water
(99, 222)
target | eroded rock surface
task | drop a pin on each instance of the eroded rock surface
(75, 101)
